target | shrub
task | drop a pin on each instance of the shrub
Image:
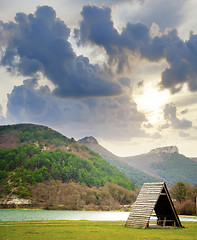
(185, 208)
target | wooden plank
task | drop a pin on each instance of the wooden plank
(144, 205)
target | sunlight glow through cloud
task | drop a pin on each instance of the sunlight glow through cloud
(151, 103)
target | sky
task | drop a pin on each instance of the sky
(124, 71)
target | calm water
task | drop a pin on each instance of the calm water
(28, 215)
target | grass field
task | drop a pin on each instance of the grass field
(90, 230)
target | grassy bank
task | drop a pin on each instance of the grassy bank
(87, 230)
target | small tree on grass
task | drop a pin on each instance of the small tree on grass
(181, 191)
(185, 196)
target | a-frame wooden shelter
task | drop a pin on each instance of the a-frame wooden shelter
(153, 197)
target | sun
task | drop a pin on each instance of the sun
(151, 103)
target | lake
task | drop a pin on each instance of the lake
(29, 215)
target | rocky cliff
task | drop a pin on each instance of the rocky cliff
(167, 150)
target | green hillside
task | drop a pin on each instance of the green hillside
(177, 167)
(42, 155)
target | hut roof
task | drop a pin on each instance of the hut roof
(153, 197)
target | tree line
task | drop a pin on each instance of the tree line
(29, 164)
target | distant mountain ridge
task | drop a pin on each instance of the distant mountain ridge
(165, 163)
(137, 176)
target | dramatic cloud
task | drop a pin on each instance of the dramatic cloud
(181, 56)
(170, 114)
(84, 72)
(109, 117)
(39, 43)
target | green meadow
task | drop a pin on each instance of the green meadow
(90, 230)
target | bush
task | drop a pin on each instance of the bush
(186, 208)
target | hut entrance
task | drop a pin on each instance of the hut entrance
(153, 197)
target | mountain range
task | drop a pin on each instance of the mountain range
(50, 170)
(160, 164)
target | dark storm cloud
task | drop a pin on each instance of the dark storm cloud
(170, 114)
(110, 117)
(98, 28)
(39, 43)
(25, 103)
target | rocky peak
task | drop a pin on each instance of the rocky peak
(168, 150)
(88, 140)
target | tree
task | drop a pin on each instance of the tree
(181, 191)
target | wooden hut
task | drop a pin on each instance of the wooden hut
(153, 197)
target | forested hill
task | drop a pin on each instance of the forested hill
(31, 155)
